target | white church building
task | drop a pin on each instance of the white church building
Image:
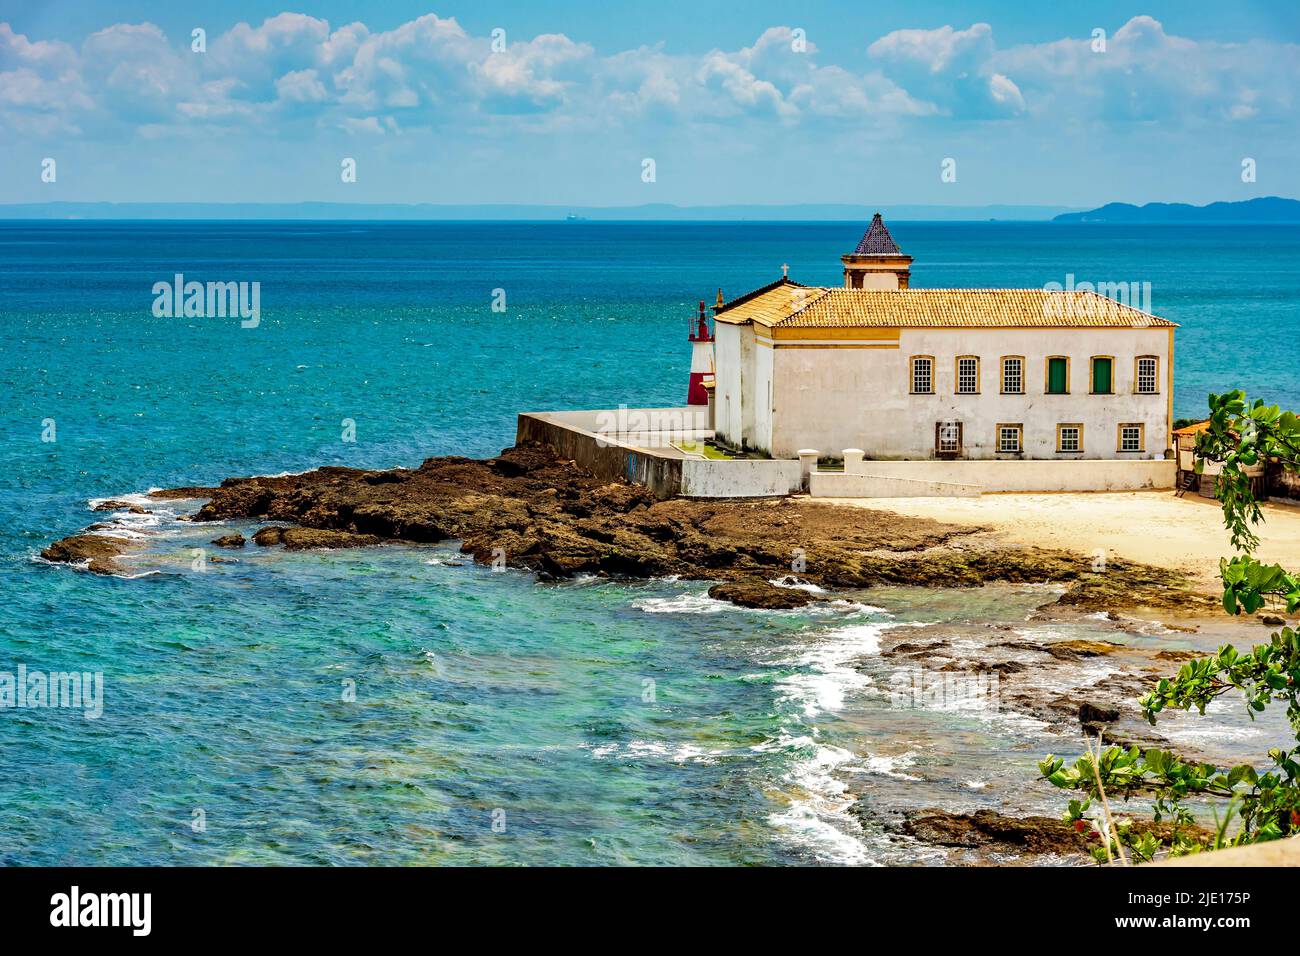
(924, 374)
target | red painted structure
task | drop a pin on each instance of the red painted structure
(701, 338)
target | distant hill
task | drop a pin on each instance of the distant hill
(650, 212)
(1266, 209)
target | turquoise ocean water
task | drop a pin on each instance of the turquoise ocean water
(496, 720)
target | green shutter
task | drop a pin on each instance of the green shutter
(1056, 376)
(1101, 376)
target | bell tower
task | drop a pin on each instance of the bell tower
(877, 262)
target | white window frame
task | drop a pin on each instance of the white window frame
(943, 445)
(973, 376)
(1138, 376)
(1019, 361)
(1140, 440)
(914, 365)
(1061, 429)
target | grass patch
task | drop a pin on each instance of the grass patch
(702, 448)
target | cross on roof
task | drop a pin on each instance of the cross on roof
(785, 271)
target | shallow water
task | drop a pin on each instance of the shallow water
(628, 723)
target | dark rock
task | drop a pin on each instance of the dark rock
(1127, 584)
(266, 537)
(1090, 713)
(183, 493)
(114, 505)
(983, 667)
(96, 551)
(1065, 650)
(550, 516)
(912, 648)
(1082, 648)
(304, 539)
(988, 829)
(230, 541)
(307, 539)
(985, 828)
(1272, 620)
(396, 476)
(761, 594)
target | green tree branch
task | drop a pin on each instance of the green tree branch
(1239, 437)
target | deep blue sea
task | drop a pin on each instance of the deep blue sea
(495, 720)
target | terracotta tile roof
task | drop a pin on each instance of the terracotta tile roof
(877, 241)
(789, 305)
(758, 293)
(1195, 429)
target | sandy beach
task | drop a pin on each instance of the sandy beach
(1154, 527)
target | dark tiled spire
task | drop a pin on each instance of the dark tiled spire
(877, 241)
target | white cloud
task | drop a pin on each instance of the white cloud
(741, 88)
(300, 86)
(1004, 91)
(1146, 74)
(532, 75)
(951, 69)
(49, 57)
(136, 73)
(41, 87)
(367, 125)
(257, 56)
(429, 72)
(421, 63)
(936, 51)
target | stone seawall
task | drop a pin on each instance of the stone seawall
(648, 458)
(604, 457)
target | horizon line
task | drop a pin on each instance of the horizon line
(312, 210)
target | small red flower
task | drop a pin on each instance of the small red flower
(1080, 825)
(1295, 818)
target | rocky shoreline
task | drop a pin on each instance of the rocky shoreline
(536, 511)
(1023, 669)
(981, 835)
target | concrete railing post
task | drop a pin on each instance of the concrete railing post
(853, 460)
(807, 462)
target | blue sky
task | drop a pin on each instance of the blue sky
(760, 102)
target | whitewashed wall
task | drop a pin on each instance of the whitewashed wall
(760, 434)
(727, 379)
(831, 399)
(743, 478)
(891, 479)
